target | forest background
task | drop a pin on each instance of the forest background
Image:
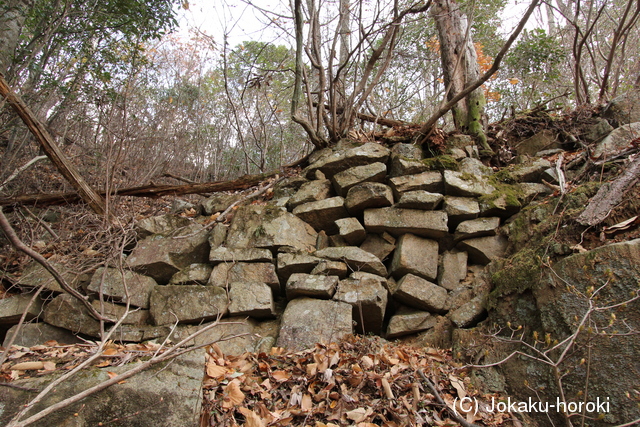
(128, 99)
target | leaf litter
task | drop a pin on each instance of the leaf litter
(361, 381)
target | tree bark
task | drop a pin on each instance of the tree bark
(46, 141)
(460, 67)
(12, 16)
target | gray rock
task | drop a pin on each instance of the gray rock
(381, 245)
(466, 185)
(140, 333)
(478, 227)
(541, 141)
(415, 255)
(333, 162)
(161, 257)
(432, 224)
(530, 171)
(12, 308)
(251, 299)
(312, 286)
(122, 286)
(218, 235)
(457, 153)
(288, 186)
(311, 191)
(163, 224)
(530, 191)
(500, 204)
(224, 254)
(219, 202)
(31, 334)
(400, 166)
(331, 268)
(617, 141)
(66, 312)
(419, 293)
(291, 263)
(343, 181)
(474, 167)
(35, 275)
(483, 250)
(408, 321)
(408, 151)
(187, 304)
(368, 195)
(269, 227)
(165, 395)
(220, 332)
(420, 199)
(260, 272)
(135, 316)
(469, 314)
(195, 274)
(459, 140)
(453, 269)
(337, 241)
(308, 321)
(460, 209)
(351, 231)
(179, 205)
(356, 258)
(368, 297)
(430, 181)
(624, 108)
(322, 215)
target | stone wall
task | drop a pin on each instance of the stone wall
(366, 240)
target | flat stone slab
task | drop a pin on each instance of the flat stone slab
(351, 231)
(419, 293)
(161, 224)
(122, 286)
(368, 195)
(219, 202)
(311, 191)
(321, 215)
(368, 297)
(271, 228)
(224, 254)
(307, 321)
(35, 275)
(483, 250)
(38, 333)
(260, 272)
(453, 269)
(408, 321)
(466, 185)
(312, 286)
(374, 172)
(356, 258)
(469, 314)
(251, 299)
(381, 245)
(460, 209)
(187, 304)
(403, 165)
(12, 308)
(66, 312)
(420, 199)
(531, 171)
(135, 316)
(295, 262)
(195, 274)
(415, 255)
(331, 162)
(479, 227)
(432, 224)
(430, 181)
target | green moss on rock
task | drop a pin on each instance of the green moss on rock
(441, 163)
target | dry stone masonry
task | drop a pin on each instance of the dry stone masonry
(367, 240)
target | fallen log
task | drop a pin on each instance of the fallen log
(242, 183)
(610, 195)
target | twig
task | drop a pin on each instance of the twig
(20, 170)
(436, 394)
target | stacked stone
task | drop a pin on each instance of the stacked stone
(368, 237)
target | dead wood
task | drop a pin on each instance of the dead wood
(51, 149)
(610, 195)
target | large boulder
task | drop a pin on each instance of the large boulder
(165, 395)
(307, 321)
(161, 257)
(122, 286)
(187, 304)
(269, 227)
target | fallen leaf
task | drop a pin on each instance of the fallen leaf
(251, 418)
(306, 404)
(232, 396)
(49, 366)
(215, 371)
(28, 366)
(281, 376)
(112, 374)
(458, 385)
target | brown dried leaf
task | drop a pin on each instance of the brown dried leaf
(232, 395)
(216, 371)
(252, 419)
(28, 366)
(281, 376)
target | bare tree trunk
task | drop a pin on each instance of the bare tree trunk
(12, 16)
(460, 66)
